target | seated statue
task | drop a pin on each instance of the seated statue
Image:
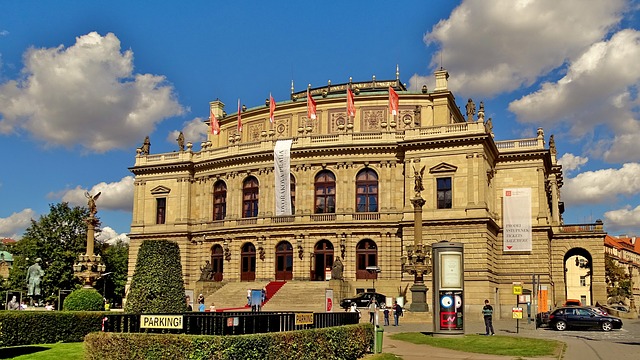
(336, 270)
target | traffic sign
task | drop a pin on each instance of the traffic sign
(517, 313)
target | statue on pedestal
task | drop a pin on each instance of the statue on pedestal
(417, 176)
(91, 204)
(337, 269)
(34, 276)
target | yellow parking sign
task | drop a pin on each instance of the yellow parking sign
(517, 313)
(517, 289)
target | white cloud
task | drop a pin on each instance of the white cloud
(600, 88)
(16, 224)
(602, 185)
(4, 33)
(194, 131)
(572, 162)
(625, 219)
(497, 46)
(110, 236)
(86, 94)
(114, 196)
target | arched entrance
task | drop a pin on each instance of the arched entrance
(322, 259)
(216, 262)
(284, 261)
(248, 262)
(578, 276)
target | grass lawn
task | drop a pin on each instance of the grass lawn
(67, 351)
(492, 345)
(383, 356)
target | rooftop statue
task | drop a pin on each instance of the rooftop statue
(146, 146)
(471, 110)
(180, 140)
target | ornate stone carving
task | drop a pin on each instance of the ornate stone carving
(254, 130)
(371, 119)
(336, 120)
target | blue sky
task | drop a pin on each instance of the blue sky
(83, 82)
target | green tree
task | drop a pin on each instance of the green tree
(156, 285)
(57, 238)
(617, 279)
(116, 259)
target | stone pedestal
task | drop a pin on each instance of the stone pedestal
(419, 298)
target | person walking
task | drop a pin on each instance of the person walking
(487, 312)
(397, 313)
(373, 306)
(386, 316)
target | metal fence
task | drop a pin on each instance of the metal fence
(232, 323)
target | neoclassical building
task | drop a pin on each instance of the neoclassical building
(351, 177)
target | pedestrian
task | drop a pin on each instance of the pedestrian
(487, 312)
(201, 303)
(248, 297)
(187, 299)
(397, 313)
(373, 306)
(386, 316)
(264, 296)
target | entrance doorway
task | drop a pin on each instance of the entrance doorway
(216, 262)
(248, 258)
(323, 259)
(284, 261)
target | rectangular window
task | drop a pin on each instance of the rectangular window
(444, 193)
(583, 281)
(161, 210)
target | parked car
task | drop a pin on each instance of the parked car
(572, 302)
(582, 317)
(363, 300)
(620, 308)
(542, 319)
(598, 310)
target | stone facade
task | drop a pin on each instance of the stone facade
(174, 196)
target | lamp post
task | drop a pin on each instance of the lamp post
(417, 262)
(632, 300)
(89, 266)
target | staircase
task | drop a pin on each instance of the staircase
(233, 295)
(298, 296)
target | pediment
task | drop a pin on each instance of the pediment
(442, 168)
(160, 190)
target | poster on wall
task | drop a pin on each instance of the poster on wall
(516, 214)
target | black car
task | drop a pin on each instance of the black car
(363, 300)
(582, 317)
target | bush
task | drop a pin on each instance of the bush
(348, 342)
(157, 286)
(46, 327)
(84, 300)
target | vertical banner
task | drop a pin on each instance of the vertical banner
(516, 211)
(328, 300)
(282, 161)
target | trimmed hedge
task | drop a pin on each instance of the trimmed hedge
(348, 342)
(157, 286)
(47, 327)
(84, 300)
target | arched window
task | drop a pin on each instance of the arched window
(250, 192)
(325, 193)
(367, 191)
(322, 260)
(284, 261)
(248, 262)
(216, 262)
(219, 200)
(292, 186)
(366, 255)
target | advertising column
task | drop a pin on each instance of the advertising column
(448, 288)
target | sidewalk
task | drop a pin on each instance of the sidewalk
(578, 347)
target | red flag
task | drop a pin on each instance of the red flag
(239, 118)
(215, 125)
(272, 107)
(393, 101)
(351, 107)
(311, 107)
